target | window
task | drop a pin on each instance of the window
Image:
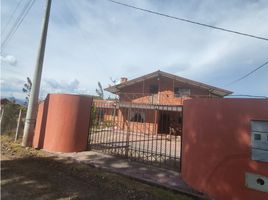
(182, 92)
(257, 136)
(259, 142)
(137, 117)
(153, 89)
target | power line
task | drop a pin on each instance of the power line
(11, 17)
(12, 28)
(18, 22)
(248, 74)
(189, 21)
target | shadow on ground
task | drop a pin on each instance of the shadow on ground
(148, 174)
(51, 178)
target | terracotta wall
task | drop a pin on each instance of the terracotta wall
(63, 123)
(216, 150)
(140, 92)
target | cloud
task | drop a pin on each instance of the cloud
(61, 86)
(12, 87)
(53, 86)
(92, 41)
(8, 59)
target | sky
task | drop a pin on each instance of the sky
(96, 40)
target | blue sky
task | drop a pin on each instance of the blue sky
(90, 41)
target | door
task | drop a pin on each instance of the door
(164, 122)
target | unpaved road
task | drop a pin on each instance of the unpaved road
(31, 174)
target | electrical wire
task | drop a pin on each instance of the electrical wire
(248, 74)
(18, 22)
(202, 24)
(11, 17)
(189, 21)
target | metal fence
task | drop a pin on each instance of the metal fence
(12, 119)
(146, 133)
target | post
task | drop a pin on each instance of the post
(2, 114)
(33, 101)
(155, 122)
(18, 126)
(128, 132)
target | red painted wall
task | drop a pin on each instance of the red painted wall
(216, 150)
(63, 123)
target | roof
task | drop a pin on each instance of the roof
(214, 90)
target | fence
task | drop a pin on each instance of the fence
(146, 133)
(12, 119)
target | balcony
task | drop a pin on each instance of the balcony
(167, 98)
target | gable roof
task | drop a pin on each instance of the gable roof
(214, 90)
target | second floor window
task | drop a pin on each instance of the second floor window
(182, 92)
(153, 89)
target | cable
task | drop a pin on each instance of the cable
(189, 21)
(246, 75)
(18, 22)
(11, 17)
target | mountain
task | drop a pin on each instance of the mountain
(16, 100)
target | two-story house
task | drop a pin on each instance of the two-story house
(153, 103)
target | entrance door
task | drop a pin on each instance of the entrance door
(164, 122)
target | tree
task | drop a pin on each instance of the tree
(27, 89)
(99, 91)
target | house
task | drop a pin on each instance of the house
(153, 103)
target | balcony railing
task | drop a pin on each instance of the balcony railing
(162, 99)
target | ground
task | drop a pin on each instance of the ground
(32, 174)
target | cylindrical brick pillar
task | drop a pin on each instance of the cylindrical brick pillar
(66, 126)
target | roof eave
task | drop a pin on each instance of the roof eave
(214, 90)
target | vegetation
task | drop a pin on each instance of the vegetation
(27, 89)
(99, 91)
(10, 116)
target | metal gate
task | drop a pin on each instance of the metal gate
(141, 132)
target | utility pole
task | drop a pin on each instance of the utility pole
(33, 101)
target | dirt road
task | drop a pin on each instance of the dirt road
(31, 174)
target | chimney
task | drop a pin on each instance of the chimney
(123, 79)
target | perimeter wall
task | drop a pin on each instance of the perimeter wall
(216, 147)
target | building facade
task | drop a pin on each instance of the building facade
(153, 103)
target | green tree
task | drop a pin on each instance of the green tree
(99, 91)
(27, 89)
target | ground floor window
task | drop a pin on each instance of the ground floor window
(137, 117)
